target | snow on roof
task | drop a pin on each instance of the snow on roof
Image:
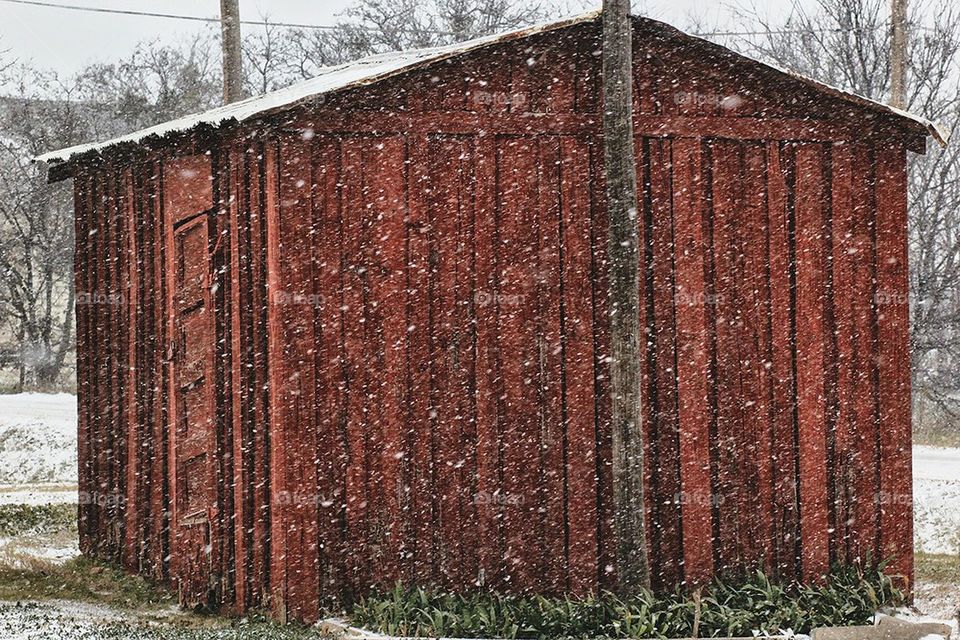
(378, 67)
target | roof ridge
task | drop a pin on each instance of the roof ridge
(380, 66)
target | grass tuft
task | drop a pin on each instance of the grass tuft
(727, 608)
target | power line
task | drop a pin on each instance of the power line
(150, 14)
(782, 32)
(328, 27)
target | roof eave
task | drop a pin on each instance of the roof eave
(224, 116)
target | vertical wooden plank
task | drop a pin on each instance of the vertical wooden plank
(452, 336)
(224, 567)
(757, 366)
(893, 362)
(384, 162)
(132, 423)
(278, 373)
(864, 411)
(160, 478)
(490, 538)
(557, 75)
(812, 333)
(82, 273)
(692, 360)
(783, 460)
(265, 196)
(467, 360)
(331, 378)
(242, 518)
(173, 504)
(104, 378)
(842, 293)
(606, 570)
(148, 354)
(517, 277)
(444, 220)
(358, 389)
(255, 368)
(96, 236)
(726, 308)
(113, 442)
(295, 306)
(553, 436)
(578, 354)
(662, 337)
(418, 312)
(121, 436)
(587, 85)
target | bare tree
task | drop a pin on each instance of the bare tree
(277, 57)
(36, 246)
(269, 53)
(153, 84)
(42, 112)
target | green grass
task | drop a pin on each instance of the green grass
(23, 576)
(726, 608)
(30, 585)
(938, 568)
(937, 438)
(21, 519)
(83, 580)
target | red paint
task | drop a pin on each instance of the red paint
(378, 352)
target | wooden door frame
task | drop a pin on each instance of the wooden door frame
(172, 357)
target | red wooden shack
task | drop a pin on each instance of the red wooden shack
(354, 332)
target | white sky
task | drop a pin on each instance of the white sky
(67, 40)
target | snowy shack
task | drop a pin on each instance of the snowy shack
(354, 332)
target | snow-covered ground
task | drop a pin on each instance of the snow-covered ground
(936, 499)
(38, 438)
(57, 618)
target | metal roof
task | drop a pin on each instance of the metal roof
(375, 68)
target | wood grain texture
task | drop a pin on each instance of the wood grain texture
(410, 340)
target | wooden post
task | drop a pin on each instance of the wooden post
(898, 54)
(621, 177)
(230, 43)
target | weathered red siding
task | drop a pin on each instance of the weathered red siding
(396, 329)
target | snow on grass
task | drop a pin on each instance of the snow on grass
(55, 619)
(38, 494)
(38, 438)
(936, 499)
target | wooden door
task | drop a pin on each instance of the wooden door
(188, 204)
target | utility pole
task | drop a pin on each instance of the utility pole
(898, 54)
(232, 61)
(633, 569)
